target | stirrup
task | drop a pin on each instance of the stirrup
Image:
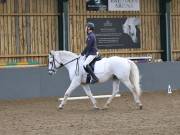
(94, 81)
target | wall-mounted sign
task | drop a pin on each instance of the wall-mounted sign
(123, 5)
(96, 5)
(117, 32)
(2, 1)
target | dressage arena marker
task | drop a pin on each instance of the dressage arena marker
(169, 89)
(86, 97)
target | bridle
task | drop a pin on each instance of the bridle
(54, 68)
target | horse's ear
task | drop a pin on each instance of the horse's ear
(51, 52)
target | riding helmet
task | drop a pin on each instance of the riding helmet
(90, 25)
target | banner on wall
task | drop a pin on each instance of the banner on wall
(114, 33)
(96, 5)
(123, 5)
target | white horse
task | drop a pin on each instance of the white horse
(129, 27)
(116, 68)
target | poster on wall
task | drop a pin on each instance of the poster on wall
(123, 5)
(114, 33)
(96, 5)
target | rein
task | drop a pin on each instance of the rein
(62, 65)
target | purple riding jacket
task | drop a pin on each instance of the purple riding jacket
(91, 48)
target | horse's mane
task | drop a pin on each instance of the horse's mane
(68, 54)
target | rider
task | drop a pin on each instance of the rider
(90, 51)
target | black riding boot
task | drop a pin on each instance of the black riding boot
(95, 79)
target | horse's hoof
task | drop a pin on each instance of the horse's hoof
(60, 107)
(105, 107)
(96, 108)
(140, 107)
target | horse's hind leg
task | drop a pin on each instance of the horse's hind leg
(114, 92)
(90, 95)
(131, 87)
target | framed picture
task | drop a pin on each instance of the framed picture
(123, 5)
(117, 32)
(96, 5)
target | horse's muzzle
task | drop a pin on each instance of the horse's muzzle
(51, 72)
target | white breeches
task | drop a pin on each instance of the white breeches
(88, 60)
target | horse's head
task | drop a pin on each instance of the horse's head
(131, 31)
(129, 27)
(53, 62)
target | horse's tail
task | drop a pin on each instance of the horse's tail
(135, 77)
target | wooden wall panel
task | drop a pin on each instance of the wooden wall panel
(149, 28)
(175, 17)
(28, 30)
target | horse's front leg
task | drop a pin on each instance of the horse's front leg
(114, 92)
(90, 95)
(74, 84)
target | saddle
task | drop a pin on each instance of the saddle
(88, 79)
